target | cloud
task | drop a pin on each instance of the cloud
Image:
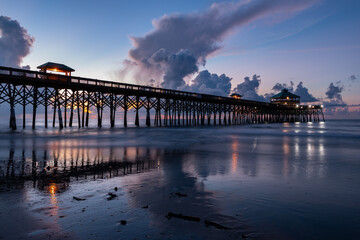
(352, 78)
(333, 93)
(195, 36)
(300, 90)
(15, 42)
(249, 89)
(205, 82)
(175, 66)
(304, 94)
(280, 86)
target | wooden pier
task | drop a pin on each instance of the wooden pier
(70, 100)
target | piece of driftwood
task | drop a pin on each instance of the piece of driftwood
(78, 199)
(217, 225)
(179, 194)
(189, 218)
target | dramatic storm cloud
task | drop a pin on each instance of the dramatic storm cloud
(15, 42)
(175, 66)
(189, 39)
(249, 89)
(206, 82)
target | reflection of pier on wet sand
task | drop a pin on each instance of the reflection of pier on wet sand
(59, 165)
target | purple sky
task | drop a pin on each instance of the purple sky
(311, 46)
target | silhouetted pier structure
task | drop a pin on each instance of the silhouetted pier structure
(70, 99)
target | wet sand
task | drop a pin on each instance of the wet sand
(246, 182)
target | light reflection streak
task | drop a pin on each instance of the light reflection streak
(297, 147)
(52, 189)
(286, 155)
(234, 162)
(254, 144)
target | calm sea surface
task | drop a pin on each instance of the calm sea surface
(268, 181)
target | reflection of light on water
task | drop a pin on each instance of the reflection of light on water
(297, 147)
(53, 199)
(286, 152)
(286, 147)
(234, 162)
(52, 190)
(322, 160)
(309, 150)
(254, 144)
(316, 164)
(321, 150)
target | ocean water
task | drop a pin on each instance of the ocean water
(262, 181)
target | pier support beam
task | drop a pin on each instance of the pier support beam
(148, 113)
(46, 106)
(61, 126)
(24, 106)
(72, 108)
(35, 96)
(125, 110)
(12, 123)
(137, 112)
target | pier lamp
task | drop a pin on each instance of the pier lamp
(297, 105)
(322, 106)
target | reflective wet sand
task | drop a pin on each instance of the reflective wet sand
(283, 181)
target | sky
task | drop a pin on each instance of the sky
(252, 47)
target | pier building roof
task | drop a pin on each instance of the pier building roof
(236, 96)
(285, 94)
(57, 67)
